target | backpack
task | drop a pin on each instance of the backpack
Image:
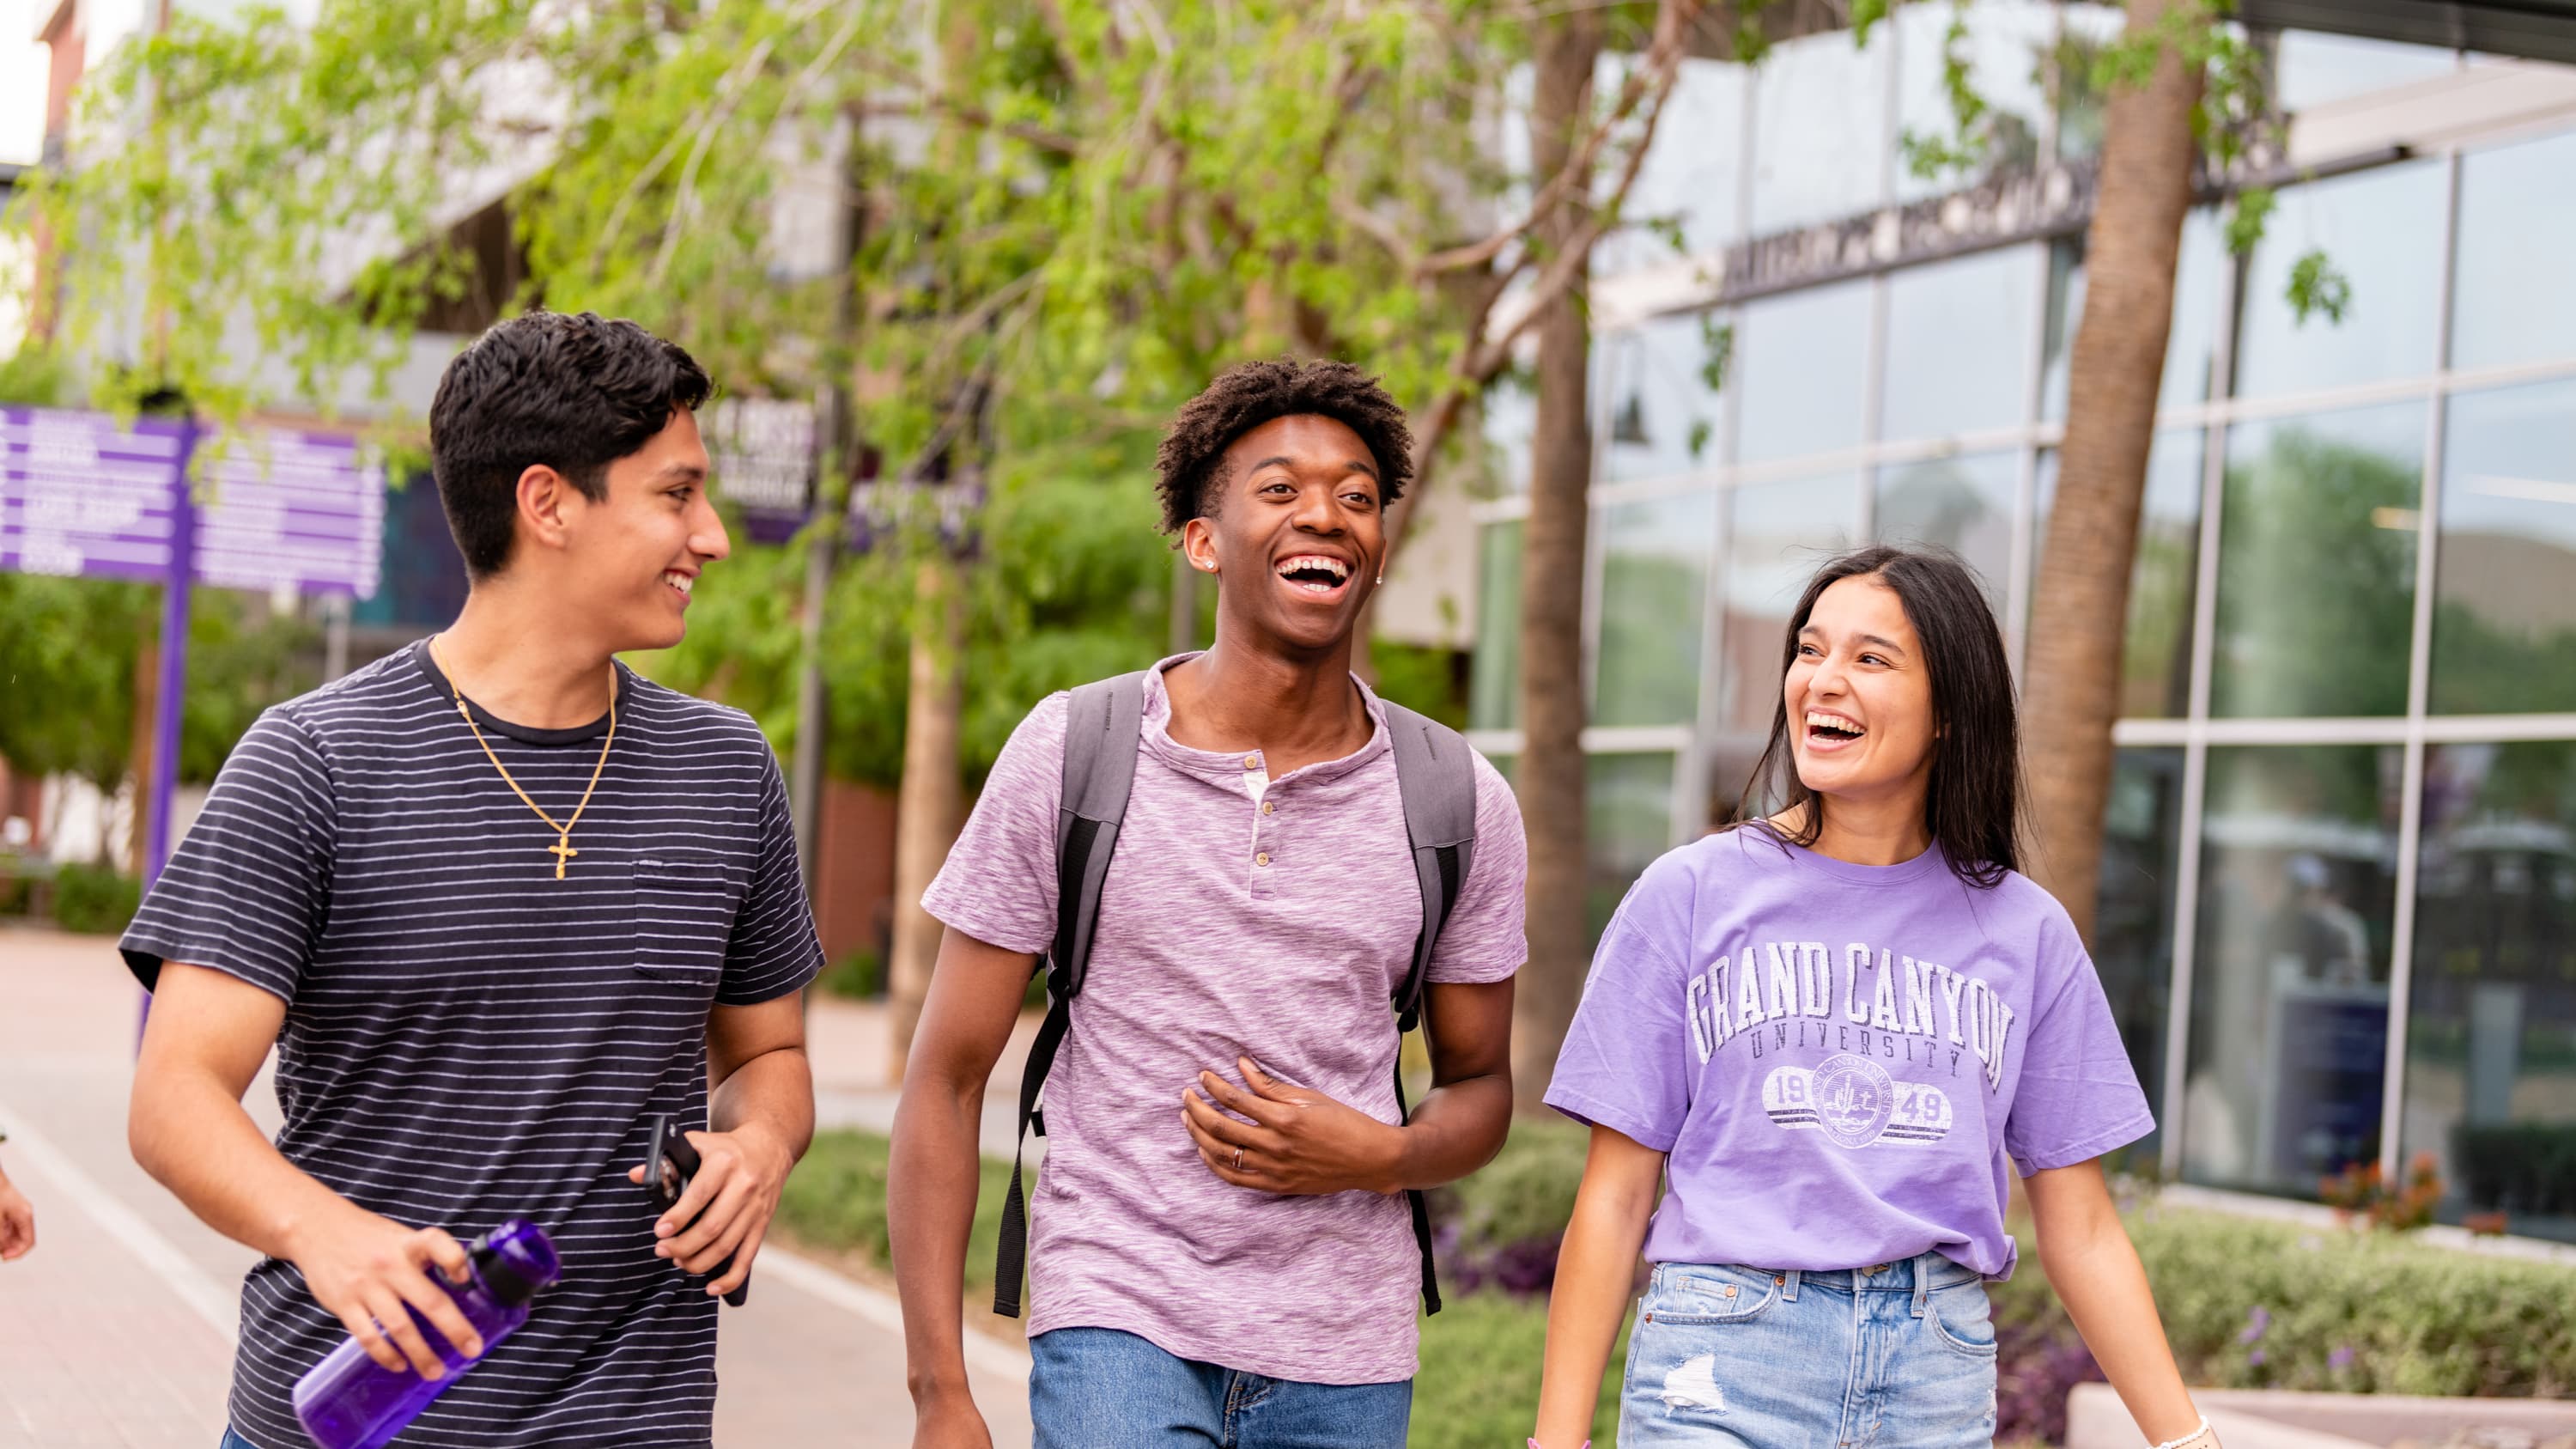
(1435, 775)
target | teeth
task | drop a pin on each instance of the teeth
(1334, 566)
(679, 580)
(1818, 719)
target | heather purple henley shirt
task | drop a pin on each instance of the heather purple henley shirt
(1241, 916)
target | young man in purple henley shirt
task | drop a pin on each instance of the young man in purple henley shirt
(1220, 1246)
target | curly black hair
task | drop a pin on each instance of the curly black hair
(1248, 394)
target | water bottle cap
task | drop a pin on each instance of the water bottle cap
(516, 1260)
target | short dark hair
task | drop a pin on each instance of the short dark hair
(1973, 809)
(572, 391)
(1248, 394)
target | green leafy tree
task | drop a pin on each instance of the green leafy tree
(1036, 226)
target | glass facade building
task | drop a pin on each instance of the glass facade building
(2338, 905)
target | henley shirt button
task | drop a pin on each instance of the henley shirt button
(1252, 762)
(1262, 859)
(1267, 807)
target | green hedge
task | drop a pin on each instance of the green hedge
(95, 901)
(859, 975)
(1480, 1372)
(2257, 1304)
(836, 1199)
(2246, 1302)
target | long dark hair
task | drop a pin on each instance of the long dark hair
(1973, 808)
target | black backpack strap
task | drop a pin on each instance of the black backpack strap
(1103, 725)
(1436, 775)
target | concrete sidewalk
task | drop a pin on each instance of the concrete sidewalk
(852, 1046)
(118, 1329)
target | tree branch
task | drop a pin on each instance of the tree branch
(967, 112)
(1663, 60)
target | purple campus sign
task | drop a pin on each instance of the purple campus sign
(83, 496)
(284, 509)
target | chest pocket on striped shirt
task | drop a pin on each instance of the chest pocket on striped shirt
(684, 909)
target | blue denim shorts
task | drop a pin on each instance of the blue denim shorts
(1094, 1387)
(1901, 1354)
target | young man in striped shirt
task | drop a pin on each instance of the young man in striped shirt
(498, 902)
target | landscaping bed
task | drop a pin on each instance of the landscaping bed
(2247, 1303)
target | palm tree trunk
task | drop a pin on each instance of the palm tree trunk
(2082, 587)
(1549, 776)
(929, 804)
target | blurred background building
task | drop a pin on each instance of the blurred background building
(2339, 901)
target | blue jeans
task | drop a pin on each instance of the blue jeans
(1094, 1387)
(235, 1441)
(1902, 1354)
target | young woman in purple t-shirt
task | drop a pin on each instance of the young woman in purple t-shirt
(1811, 1047)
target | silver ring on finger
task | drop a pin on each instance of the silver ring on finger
(1238, 1159)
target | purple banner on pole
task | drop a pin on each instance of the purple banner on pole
(81, 496)
(284, 509)
(763, 450)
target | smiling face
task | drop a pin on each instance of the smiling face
(1859, 696)
(1293, 531)
(632, 557)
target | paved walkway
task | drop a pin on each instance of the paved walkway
(118, 1329)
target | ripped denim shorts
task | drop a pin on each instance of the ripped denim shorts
(1900, 1354)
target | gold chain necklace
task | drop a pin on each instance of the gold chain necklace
(562, 849)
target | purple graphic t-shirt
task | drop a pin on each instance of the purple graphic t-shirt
(1837, 1059)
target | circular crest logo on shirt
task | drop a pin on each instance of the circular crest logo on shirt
(1854, 1098)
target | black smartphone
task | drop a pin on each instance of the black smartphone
(669, 1163)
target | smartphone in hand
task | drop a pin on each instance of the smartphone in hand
(669, 1163)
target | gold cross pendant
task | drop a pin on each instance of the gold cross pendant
(562, 851)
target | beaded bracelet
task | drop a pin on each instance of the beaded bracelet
(2203, 1432)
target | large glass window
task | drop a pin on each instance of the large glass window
(2155, 663)
(2190, 343)
(2133, 919)
(1664, 418)
(1803, 360)
(2316, 564)
(1779, 534)
(1958, 344)
(1962, 504)
(1691, 178)
(2514, 294)
(2065, 314)
(2504, 607)
(2313, 68)
(2080, 104)
(2289, 1009)
(1494, 694)
(1510, 414)
(1628, 817)
(1819, 131)
(2491, 1029)
(2382, 230)
(1654, 585)
(2005, 46)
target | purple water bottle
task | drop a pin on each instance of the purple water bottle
(349, 1401)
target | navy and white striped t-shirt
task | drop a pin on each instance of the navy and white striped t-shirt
(469, 1039)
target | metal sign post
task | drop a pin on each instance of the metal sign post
(171, 688)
